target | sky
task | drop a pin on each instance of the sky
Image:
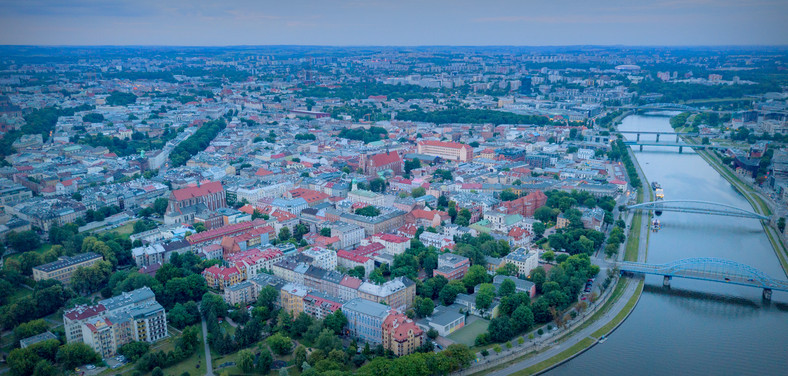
(394, 22)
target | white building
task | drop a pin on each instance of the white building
(525, 260)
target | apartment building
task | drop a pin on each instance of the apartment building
(451, 266)
(65, 266)
(291, 298)
(365, 319)
(525, 260)
(401, 335)
(451, 151)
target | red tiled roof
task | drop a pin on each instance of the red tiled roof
(399, 325)
(351, 282)
(83, 312)
(309, 195)
(197, 191)
(383, 159)
(453, 145)
(391, 238)
(352, 256)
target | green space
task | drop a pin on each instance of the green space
(40, 250)
(621, 315)
(633, 241)
(468, 334)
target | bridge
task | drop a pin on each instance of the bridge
(681, 146)
(697, 207)
(709, 269)
(667, 107)
(677, 134)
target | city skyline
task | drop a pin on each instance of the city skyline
(402, 23)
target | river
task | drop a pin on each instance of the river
(695, 327)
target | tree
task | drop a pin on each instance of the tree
(507, 288)
(545, 214)
(509, 269)
(539, 229)
(22, 362)
(264, 361)
(325, 231)
(328, 341)
(300, 355)
(198, 227)
(522, 319)
(548, 256)
(245, 361)
(24, 241)
(538, 277)
(134, 350)
(485, 295)
(284, 233)
(44, 368)
(336, 321)
(157, 372)
(76, 354)
(280, 344)
(418, 192)
(500, 329)
(781, 224)
(424, 306)
(368, 211)
(377, 185)
(449, 292)
(475, 275)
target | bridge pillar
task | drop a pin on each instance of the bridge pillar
(638, 137)
(767, 294)
(681, 148)
(666, 281)
(641, 147)
(657, 137)
(677, 138)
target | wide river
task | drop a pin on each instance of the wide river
(695, 327)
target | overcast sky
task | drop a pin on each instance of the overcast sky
(394, 22)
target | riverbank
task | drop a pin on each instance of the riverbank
(757, 203)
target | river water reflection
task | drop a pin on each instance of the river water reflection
(695, 327)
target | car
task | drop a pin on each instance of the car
(90, 366)
(727, 279)
(583, 297)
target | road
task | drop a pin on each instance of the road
(208, 363)
(577, 337)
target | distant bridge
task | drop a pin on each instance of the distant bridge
(697, 207)
(677, 134)
(681, 146)
(667, 107)
(709, 269)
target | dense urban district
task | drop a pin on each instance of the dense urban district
(334, 211)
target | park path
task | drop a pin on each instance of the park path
(208, 363)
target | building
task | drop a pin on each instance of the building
(350, 235)
(350, 260)
(365, 319)
(438, 241)
(526, 205)
(451, 266)
(395, 245)
(521, 285)
(525, 260)
(30, 341)
(319, 305)
(451, 151)
(322, 257)
(401, 335)
(373, 164)
(113, 322)
(219, 277)
(446, 320)
(398, 293)
(291, 298)
(240, 293)
(366, 197)
(254, 260)
(187, 202)
(65, 266)
(13, 193)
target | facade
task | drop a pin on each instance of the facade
(113, 322)
(349, 235)
(451, 266)
(399, 293)
(451, 151)
(401, 335)
(351, 260)
(187, 202)
(526, 205)
(366, 197)
(219, 277)
(447, 321)
(389, 160)
(319, 305)
(395, 245)
(365, 319)
(65, 266)
(525, 260)
(321, 257)
(291, 298)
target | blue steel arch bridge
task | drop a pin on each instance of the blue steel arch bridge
(697, 207)
(709, 269)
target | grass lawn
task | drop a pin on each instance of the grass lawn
(227, 328)
(126, 229)
(468, 334)
(633, 240)
(40, 250)
(19, 294)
